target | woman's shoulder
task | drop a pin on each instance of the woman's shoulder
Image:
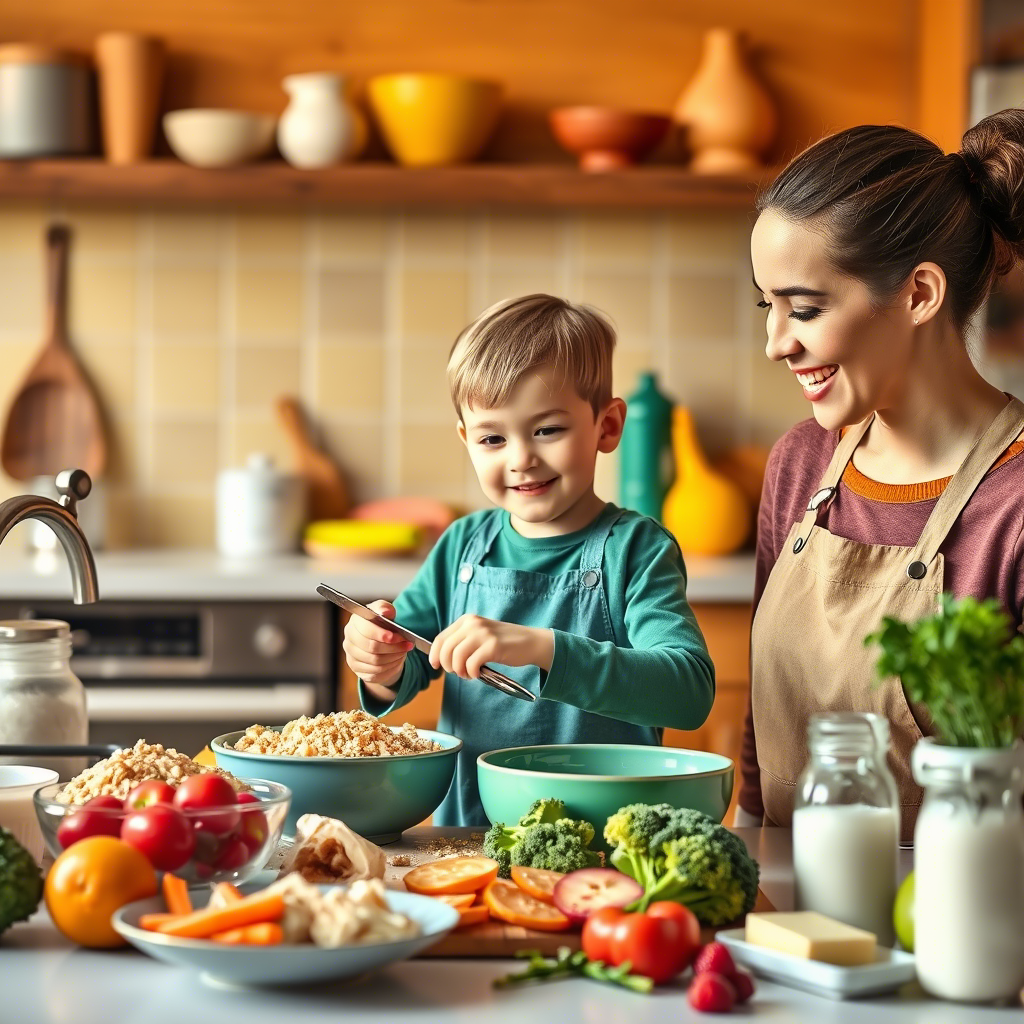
(807, 440)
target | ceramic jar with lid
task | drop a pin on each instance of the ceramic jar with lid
(260, 509)
(47, 102)
(41, 700)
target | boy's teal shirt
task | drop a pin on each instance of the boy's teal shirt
(646, 666)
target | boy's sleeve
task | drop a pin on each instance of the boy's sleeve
(663, 676)
(419, 607)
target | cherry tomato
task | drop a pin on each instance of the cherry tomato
(198, 792)
(100, 816)
(597, 933)
(254, 827)
(687, 941)
(152, 791)
(650, 944)
(162, 833)
(233, 854)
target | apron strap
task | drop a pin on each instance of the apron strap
(592, 556)
(482, 538)
(827, 487)
(986, 452)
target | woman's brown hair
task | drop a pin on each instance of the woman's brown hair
(887, 199)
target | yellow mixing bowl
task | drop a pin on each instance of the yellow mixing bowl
(428, 120)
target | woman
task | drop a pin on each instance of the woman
(872, 251)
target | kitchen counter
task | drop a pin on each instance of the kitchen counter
(46, 980)
(179, 575)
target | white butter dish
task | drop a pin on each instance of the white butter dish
(892, 969)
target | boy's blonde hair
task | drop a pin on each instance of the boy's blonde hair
(493, 354)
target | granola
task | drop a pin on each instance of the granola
(339, 734)
(118, 774)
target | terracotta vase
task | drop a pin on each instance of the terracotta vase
(131, 69)
(729, 118)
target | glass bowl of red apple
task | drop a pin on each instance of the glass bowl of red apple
(200, 830)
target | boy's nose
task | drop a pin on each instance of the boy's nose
(521, 458)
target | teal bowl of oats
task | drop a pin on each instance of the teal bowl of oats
(378, 779)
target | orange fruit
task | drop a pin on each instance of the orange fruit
(538, 882)
(508, 902)
(89, 881)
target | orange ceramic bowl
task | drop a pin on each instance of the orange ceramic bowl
(606, 139)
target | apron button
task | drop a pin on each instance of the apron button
(590, 578)
(917, 570)
(798, 546)
(466, 573)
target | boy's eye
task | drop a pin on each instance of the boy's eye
(805, 314)
(491, 440)
(549, 431)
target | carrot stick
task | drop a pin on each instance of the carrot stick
(152, 922)
(267, 933)
(225, 893)
(201, 924)
(176, 894)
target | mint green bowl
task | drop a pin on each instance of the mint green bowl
(595, 779)
(378, 797)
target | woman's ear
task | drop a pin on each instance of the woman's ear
(927, 292)
(611, 422)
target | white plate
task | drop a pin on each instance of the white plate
(892, 969)
(286, 965)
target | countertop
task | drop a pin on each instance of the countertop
(46, 980)
(183, 575)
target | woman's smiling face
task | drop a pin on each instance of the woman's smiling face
(850, 355)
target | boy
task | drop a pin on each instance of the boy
(584, 601)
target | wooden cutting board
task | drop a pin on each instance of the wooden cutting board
(495, 939)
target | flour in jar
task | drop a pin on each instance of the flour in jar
(44, 712)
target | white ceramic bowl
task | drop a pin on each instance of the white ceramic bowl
(286, 965)
(17, 812)
(208, 137)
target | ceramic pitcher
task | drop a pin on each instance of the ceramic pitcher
(321, 125)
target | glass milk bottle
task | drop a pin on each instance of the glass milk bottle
(846, 824)
(969, 871)
(41, 700)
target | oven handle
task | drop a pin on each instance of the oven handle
(272, 705)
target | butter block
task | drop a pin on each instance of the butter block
(812, 936)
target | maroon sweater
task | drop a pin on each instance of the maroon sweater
(982, 550)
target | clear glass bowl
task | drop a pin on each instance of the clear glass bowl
(230, 854)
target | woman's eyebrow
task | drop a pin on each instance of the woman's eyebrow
(796, 289)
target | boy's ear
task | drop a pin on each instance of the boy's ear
(460, 428)
(611, 423)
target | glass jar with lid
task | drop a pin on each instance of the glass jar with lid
(969, 871)
(846, 823)
(41, 700)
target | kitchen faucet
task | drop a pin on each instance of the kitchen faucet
(62, 517)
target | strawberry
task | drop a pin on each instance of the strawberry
(711, 993)
(744, 985)
(716, 959)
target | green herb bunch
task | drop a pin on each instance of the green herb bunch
(962, 665)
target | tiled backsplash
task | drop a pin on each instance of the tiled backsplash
(192, 323)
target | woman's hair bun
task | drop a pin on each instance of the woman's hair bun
(993, 156)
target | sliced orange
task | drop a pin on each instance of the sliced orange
(538, 882)
(472, 915)
(457, 900)
(452, 875)
(508, 902)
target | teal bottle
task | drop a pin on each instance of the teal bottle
(645, 449)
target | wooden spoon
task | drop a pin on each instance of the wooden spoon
(54, 421)
(328, 495)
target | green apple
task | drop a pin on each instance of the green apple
(903, 913)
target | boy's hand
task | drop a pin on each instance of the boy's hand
(471, 641)
(372, 653)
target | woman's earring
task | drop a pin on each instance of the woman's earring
(915, 319)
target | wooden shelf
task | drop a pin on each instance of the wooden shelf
(169, 182)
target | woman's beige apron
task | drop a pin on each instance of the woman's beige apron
(824, 595)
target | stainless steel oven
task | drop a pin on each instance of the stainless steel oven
(180, 673)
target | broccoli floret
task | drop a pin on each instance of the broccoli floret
(629, 832)
(557, 846)
(689, 859)
(544, 837)
(21, 883)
